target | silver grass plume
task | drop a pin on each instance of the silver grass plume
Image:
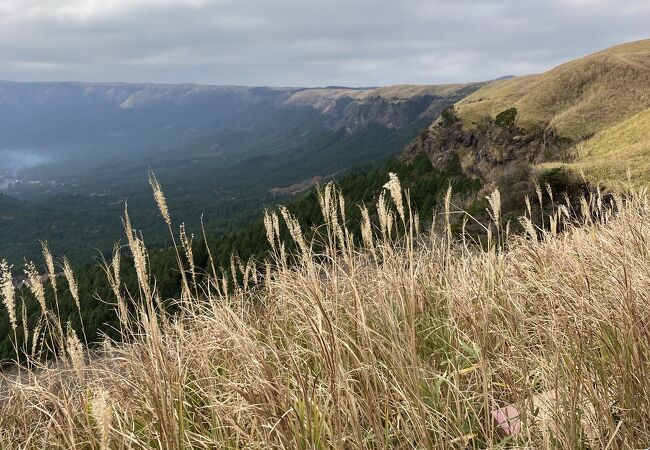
(36, 335)
(382, 212)
(160, 198)
(139, 251)
(25, 321)
(186, 242)
(494, 199)
(294, 229)
(394, 188)
(49, 263)
(116, 266)
(102, 413)
(527, 224)
(268, 226)
(366, 228)
(35, 286)
(528, 207)
(8, 292)
(75, 352)
(72, 283)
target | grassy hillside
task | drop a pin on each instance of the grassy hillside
(393, 340)
(589, 115)
(617, 152)
(578, 99)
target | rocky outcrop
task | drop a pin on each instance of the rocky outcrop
(487, 147)
(390, 113)
(392, 107)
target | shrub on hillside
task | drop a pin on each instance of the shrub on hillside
(506, 118)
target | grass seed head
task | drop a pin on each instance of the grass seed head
(8, 292)
(72, 283)
(160, 198)
(394, 188)
(35, 286)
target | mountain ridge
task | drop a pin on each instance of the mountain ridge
(65, 113)
(237, 144)
(574, 98)
(553, 116)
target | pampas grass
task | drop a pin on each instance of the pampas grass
(398, 341)
(8, 292)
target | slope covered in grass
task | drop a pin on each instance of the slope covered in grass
(406, 341)
(590, 114)
(577, 99)
(616, 152)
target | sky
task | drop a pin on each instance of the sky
(305, 42)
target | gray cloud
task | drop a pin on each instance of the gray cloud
(305, 42)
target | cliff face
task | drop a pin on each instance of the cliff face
(392, 107)
(135, 95)
(575, 115)
(186, 105)
(390, 113)
(488, 148)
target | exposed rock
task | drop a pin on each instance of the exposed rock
(392, 107)
(352, 108)
(486, 146)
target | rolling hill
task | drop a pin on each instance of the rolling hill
(590, 114)
(577, 99)
(615, 153)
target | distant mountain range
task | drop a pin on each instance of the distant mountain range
(222, 151)
(108, 120)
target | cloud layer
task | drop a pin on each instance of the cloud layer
(305, 42)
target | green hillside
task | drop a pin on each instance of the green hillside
(577, 99)
(588, 116)
(616, 153)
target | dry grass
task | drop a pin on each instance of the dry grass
(579, 98)
(407, 342)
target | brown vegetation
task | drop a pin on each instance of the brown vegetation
(409, 340)
(576, 99)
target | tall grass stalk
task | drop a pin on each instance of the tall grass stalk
(395, 339)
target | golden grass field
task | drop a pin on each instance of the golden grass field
(578, 98)
(616, 155)
(601, 102)
(400, 339)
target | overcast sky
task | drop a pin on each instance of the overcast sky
(305, 42)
